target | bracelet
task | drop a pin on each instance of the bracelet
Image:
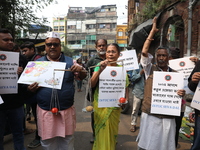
(149, 39)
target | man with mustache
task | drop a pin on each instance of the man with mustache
(100, 45)
(157, 132)
(56, 129)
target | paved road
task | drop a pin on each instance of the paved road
(83, 134)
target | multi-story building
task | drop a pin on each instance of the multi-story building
(60, 26)
(84, 26)
(121, 36)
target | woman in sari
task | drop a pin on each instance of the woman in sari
(106, 119)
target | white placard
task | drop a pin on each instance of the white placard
(9, 62)
(130, 60)
(1, 100)
(185, 66)
(196, 100)
(43, 73)
(164, 93)
(112, 83)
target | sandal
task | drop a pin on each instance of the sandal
(133, 128)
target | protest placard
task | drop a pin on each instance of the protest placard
(43, 73)
(165, 99)
(112, 83)
(196, 100)
(185, 66)
(9, 62)
(1, 100)
(130, 61)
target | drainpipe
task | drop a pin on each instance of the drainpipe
(191, 3)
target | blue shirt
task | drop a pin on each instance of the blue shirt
(138, 79)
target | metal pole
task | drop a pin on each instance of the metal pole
(189, 28)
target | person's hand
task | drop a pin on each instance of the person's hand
(196, 77)
(181, 92)
(33, 87)
(194, 59)
(154, 28)
(142, 71)
(19, 70)
(103, 65)
(77, 68)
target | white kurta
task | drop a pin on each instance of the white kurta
(155, 133)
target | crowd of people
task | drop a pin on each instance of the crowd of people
(55, 130)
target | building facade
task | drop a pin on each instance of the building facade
(60, 26)
(178, 23)
(121, 36)
(85, 26)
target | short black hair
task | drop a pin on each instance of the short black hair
(101, 39)
(4, 30)
(28, 44)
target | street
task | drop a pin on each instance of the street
(83, 134)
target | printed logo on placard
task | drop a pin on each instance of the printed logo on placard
(168, 77)
(113, 73)
(3, 57)
(182, 63)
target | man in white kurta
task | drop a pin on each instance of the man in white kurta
(155, 133)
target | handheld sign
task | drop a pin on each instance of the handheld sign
(9, 62)
(43, 72)
(185, 66)
(112, 83)
(165, 99)
(130, 61)
(196, 101)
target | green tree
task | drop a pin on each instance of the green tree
(19, 14)
(67, 51)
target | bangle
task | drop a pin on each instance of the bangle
(149, 39)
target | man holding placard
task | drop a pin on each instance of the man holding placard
(12, 109)
(157, 131)
(55, 110)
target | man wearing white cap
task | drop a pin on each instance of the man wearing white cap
(56, 130)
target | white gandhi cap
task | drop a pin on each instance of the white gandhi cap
(53, 35)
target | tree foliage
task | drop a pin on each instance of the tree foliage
(19, 14)
(67, 51)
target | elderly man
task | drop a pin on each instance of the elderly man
(12, 110)
(56, 130)
(100, 46)
(157, 132)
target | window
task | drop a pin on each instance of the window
(62, 28)
(120, 33)
(71, 27)
(103, 10)
(55, 28)
(101, 26)
(55, 23)
(90, 26)
(62, 23)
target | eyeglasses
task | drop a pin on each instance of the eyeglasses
(113, 52)
(52, 44)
